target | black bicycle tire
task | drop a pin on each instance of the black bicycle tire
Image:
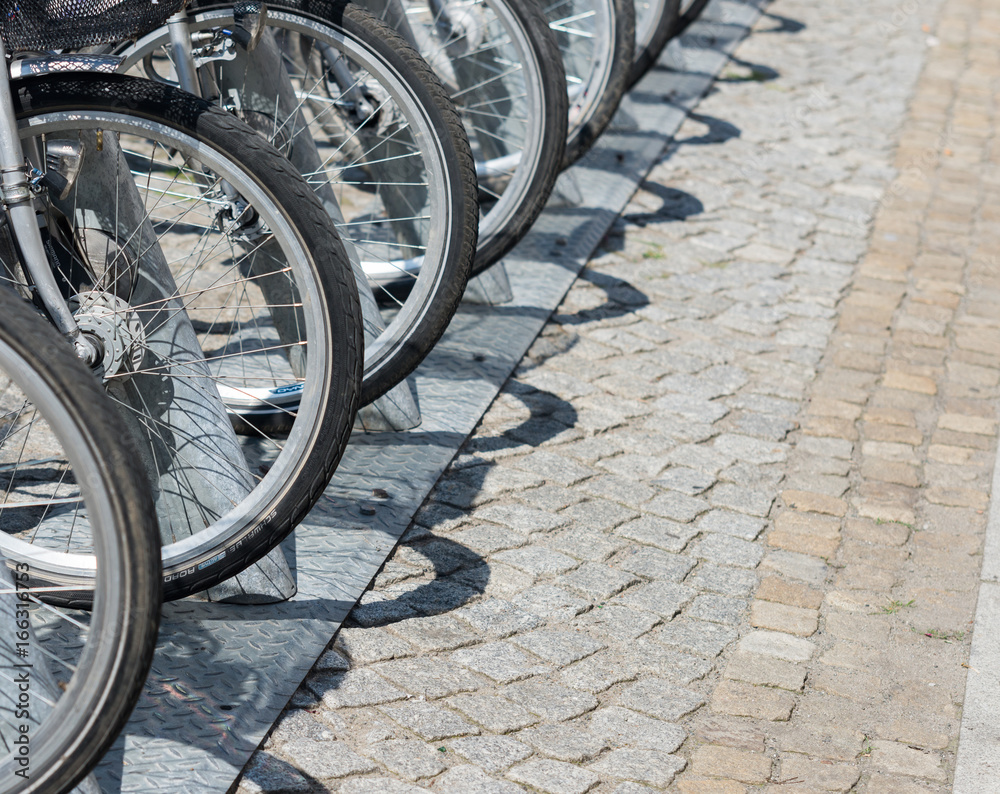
(583, 138)
(223, 131)
(688, 18)
(55, 363)
(663, 31)
(354, 21)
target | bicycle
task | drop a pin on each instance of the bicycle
(364, 119)
(202, 293)
(500, 64)
(597, 42)
(68, 679)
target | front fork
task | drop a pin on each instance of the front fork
(18, 202)
(251, 19)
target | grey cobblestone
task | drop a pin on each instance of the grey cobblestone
(322, 760)
(522, 518)
(622, 727)
(496, 714)
(554, 777)
(662, 598)
(551, 602)
(688, 481)
(743, 500)
(647, 766)
(437, 633)
(495, 617)
(360, 687)
(654, 564)
(659, 532)
(459, 780)
(727, 522)
(413, 760)
(617, 623)
(550, 701)
(537, 560)
(697, 637)
(559, 647)
(646, 655)
(599, 515)
(596, 581)
(492, 753)
(429, 721)
(500, 661)
(722, 579)
(433, 678)
(378, 785)
(599, 672)
(725, 550)
(676, 506)
(361, 647)
(564, 742)
(585, 544)
(660, 699)
(718, 609)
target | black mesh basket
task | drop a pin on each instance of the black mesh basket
(70, 24)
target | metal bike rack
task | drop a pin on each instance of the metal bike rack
(223, 673)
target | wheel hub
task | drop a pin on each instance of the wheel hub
(118, 329)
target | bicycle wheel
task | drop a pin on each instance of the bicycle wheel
(210, 274)
(597, 42)
(68, 678)
(655, 21)
(363, 118)
(501, 65)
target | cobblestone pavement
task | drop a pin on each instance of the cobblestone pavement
(721, 532)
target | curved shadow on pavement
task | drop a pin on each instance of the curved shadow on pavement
(459, 573)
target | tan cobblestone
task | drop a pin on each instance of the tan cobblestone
(886, 511)
(904, 382)
(860, 361)
(695, 786)
(828, 426)
(838, 409)
(893, 434)
(774, 588)
(803, 544)
(820, 741)
(812, 524)
(731, 732)
(812, 775)
(861, 687)
(783, 617)
(968, 424)
(890, 416)
(958, 497)
(765, 670)
(807, 502)
(886, 533)
(891, 471)
(915, 732)
(747, 700)
(887, 784)
(866, 577)
(728, 762)
(901, 759)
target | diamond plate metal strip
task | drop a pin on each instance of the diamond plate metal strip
(222, 674)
